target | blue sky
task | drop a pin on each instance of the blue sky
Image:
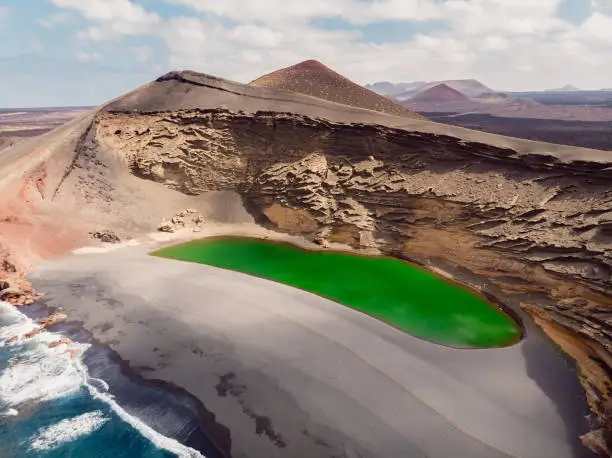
(82, 52)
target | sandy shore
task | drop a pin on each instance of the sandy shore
(295, 375)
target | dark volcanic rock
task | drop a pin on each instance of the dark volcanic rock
(106, 236)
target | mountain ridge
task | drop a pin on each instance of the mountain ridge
(439, 94)
(313, 78)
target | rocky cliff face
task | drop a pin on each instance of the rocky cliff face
(531, 230)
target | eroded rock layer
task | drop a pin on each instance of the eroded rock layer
(530, 229)
(529, 224)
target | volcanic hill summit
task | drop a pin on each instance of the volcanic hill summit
(440, 94)
(469, 88)
(313, 78)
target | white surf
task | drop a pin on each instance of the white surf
(68, 430)
(38, 373)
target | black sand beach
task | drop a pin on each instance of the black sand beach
(291, 374)
(168, 409)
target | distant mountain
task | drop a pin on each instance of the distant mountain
(442, 93)
(566, 88)
(493, 98)
(315, 79)
(501, 100)
(393, 89)
(469, 88)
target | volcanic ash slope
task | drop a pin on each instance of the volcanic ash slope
(529, 223)
(315, 79)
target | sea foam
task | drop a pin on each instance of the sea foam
(159, 440)
(37, 373)
(68, 430)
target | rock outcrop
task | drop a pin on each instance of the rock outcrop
(105, 236)
(45, 323)
(188, 218)
(527, 223)
(17, 292)
(532, 229)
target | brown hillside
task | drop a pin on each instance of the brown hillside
(440, 94)
(526, 225)
(315, 79)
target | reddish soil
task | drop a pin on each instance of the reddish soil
(440, 94)
(29, 235)
(310, 65)
(32, 228)
(315, 79)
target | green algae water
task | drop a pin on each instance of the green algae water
(391, 290)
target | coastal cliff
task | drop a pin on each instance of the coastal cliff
(531, 230)
(529, 224)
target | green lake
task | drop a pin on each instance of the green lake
(396, 292)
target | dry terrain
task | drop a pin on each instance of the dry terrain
(515, 108)
(588, 134)
(529, 224)
(468, 87)
(290, 374)
(19, 123)
(315, 79)
(440, 94)
(570, 119)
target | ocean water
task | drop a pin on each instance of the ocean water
(394, 291)
(52, 406)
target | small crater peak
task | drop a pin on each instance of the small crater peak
(310, 64)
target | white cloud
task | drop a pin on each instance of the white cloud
(243, 52)
(187, 40)
(4, 11)
(94, 34)
(55, 19)
(142, 53)
(598, 27)
(365, 12)
(115, 17)
(495, 43)
(270, 11)
(476, 42)
(110, 10)
(510, 17)
(603, 6)
(113, 30)
(396, 10)
(509, 44)
(35, 45)
(88, 57)
(257, 36)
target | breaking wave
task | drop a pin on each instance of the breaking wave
(68, 430)
(46, 399)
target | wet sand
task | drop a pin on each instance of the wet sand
(168, 409)
(292, 374)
